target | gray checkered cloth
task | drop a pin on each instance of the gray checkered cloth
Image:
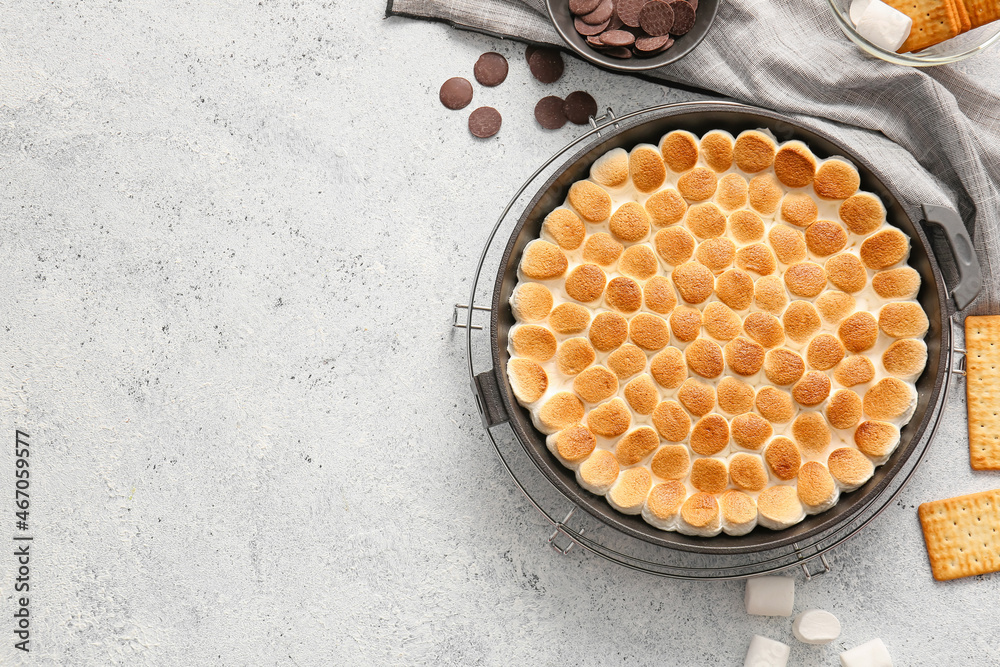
(934, 133)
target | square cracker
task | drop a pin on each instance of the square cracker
(933, 22)
(963, 15)
(982, 387)
(982, 12)
(962, 534)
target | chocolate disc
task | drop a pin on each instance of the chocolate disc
(651, 43)
(581, 7)
(628, 11)
(601, 14)
(693, 3)
(528, 51)
(650, 54)
(683, 17)
(579, 107)
(546, 65)
(595, 41)
(619, 52)
(619, 37)
(587, 30)
(456, 93)
(549, 112)
(485, 122)
(490, 69)
(656, 18)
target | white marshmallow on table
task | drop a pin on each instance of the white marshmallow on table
(764, 652)
(880, 24)
(815, 626)
(770, 596)
(870, 654)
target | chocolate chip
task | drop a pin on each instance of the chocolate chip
(549, 112)
(656, 18)
(485, 122)
(651, 43)
(601, 14)
(619, 37)
(587, 30)
(628, 11)
(580, 7)
(456, 93)
(579, 107)
(546, 65)
(683, 17)
(490, 69)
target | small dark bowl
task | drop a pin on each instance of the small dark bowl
(562, 19)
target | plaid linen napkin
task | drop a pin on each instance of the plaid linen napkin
(933, 134)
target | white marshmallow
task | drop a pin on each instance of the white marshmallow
(858, 8)
(815, 626)
(884, 26)
(770, 596)
(764, 652)
(871, 654)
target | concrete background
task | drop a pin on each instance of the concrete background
(232, 236)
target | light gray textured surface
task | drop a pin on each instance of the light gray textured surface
(233, 234)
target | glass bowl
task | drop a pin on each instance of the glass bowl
(957, 48)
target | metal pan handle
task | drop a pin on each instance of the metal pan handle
(970, 280)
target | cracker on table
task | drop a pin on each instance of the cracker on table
(962, 535)
(982, 342)
(933, 22)
(982, 12)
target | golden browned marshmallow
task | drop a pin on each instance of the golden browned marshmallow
(639, 262)
(747, 472)
(812, 389)
(862, 213)
(756, 258)
(598, 472)
(595, 384)
(834, 305)
(585, 283)
(704, 357)
(751, 431)
(779, 507)
(709, 475)
(629, 223)
(671, 422)
(710, 435)
(659, 295)
(888, 398)
(799, 209)
(739, 512)
(706, 220)
(565, 228)
(674, 245)
(701, 512)
(601, 249)
(569, 318)
(765, 329)
(754, 151)
(666, 207)
(626, 361)
(783, 367)
(885, 248)
(795, 165)
(623, 294)
(901, 283)
(527, 379)
(746, 226)
(679, 150)
(859, 332)
(636, 445)
(608, 331)
(836, 179)
(611, 169)
(788, 244)
(815, 487)
(717, 254)
(561, 410)
(846, 272)
(769, 294)
(844, 409)
(824, 352)
(905, 357)
(774, 405)
(575, 443)
(811, 433)
(744, 356)
(697, 397)
(590, 201)
(735, 289)
(531, 302)
(764, 193)
(649, 331)
(534, 342)
(611, 419)
(668, 368)
(671, 462)
(665, 500)
(801, 321)
(717, 150)
(693, 281)
(783, 458)
(903, 320)
(641, 395)
(699, 184)
(805, 279)
(543, 261)
(876, 439)
(825, 237)
(849, 467)
(574, 355)
(732, 192)
(720, 321)
(735, 396)
(646, 168)
(855, 370)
